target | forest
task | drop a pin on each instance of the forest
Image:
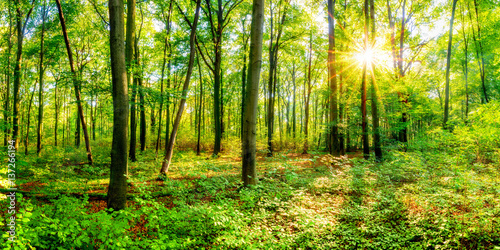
(250, 124)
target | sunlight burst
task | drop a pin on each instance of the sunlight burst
(365, 56)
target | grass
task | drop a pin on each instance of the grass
(413, 200)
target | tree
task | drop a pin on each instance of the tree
(20, 28)
(185, 88)
(374, 96)
(129, 55)
(40, 89)
(76, 84)
(117, 192)
(274, 46)
(364, 119)
(249, 172)
(334, 134)
(218, 17)
(448, 61)
(167, 47)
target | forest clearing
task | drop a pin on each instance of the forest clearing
(250, 124)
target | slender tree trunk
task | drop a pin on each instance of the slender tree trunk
(249, 172)
(117, 192)
(200, 110)
(40, 90)
(243, 75)
(364, 120)
(56, 113)
(20, 27)
(142, 134)
(448, 62)
(75, 82)
(466, 66)
(377, 147)
(307, 98)
(77, 131)
(334, 134)
(167, 120)
(6, 113)
(26, 142)
(185, 88)
(130, 64)
(158, 140)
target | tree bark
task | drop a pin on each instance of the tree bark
(130, 64)
(448, 63)
(6, 114)
(377, 147)
(185, 88)
(40, 89)
(249, 172)
(75, 83)
(117, 192)
(26, 141)
(364, 122)
(20, 28)
(198, 148)
(334, 134)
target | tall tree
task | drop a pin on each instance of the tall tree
(274, 46)
(6, 114)
(40, 89)
(249, 172)
(364, 119)
(377, 147)
(465, 62)
(185, 87)
(478, 44)
(448, 62)
(217, 25)
(129, 57)
(76, 83)
(332, 70)
(167, 47)
(117, 192)
(20, 28)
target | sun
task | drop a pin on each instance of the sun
(365, 56)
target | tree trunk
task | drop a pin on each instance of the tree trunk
(40, 89)
(7, 94)
(142, 133)
(334, 136)
(307, 98)
(26, 142)
(185, 88)
(56, 113)
(130, 64)
(377, 147)
(20, 27)
(249, 172)
(117, 192)
(200, 110)
(448, 63)
(75, 83)
(466, 67)
(364, 120)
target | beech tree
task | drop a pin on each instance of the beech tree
(185, 87)
(117, 192)
(249, 172)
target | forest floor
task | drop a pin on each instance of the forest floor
(413, 200)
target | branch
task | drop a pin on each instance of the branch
(28, 16)
(203, 56)
(99, 13)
